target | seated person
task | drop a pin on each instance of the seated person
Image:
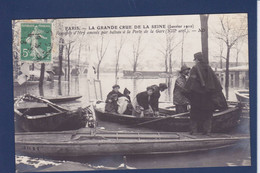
(124, 103)
(114, 91)
(142, 103)
(129, 108)
(127, 94)
(111, 105)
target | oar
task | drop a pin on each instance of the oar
(159, 119)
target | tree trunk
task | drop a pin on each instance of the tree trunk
(221, 62)
(68, 67)
(166, 63)
(42, 74)
(61, 42)
(170, 63)
(204, 36)
(135, 66)
(182, 43)
(237, 59)
(116, 73)
(227, 71)
(98, 66)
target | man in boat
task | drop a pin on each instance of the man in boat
(179, 100)
(142, 103)
(201, 88)
(112, 106)
(155, 97)
(114, 91)
(112, 98)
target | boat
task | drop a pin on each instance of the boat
(168, 120)
(59, 99)
(34, 114)
(242, 96)
(97, 142)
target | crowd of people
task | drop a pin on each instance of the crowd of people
(196, 89)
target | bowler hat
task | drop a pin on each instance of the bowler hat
(198, 56)
(184, 67)
(116, 86)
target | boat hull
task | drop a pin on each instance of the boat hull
(58, 122)
(47, 145)
(61, 99)
(35, 114)
(242, 96)
(221, 121)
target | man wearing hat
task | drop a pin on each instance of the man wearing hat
(156, 95)
(114, 91)
(179, 99)
(200, 89)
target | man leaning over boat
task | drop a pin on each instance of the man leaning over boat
(155, 97)
(142, 103)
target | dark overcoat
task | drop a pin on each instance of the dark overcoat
(143, 100)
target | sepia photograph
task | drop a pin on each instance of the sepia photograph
(147, 92)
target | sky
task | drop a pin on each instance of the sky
(152, 44)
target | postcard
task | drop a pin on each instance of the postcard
(146, 92)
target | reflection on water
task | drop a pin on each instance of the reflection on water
(233, 156)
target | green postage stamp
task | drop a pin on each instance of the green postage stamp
(36, 42)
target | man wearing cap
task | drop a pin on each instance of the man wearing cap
(114, 91)
(156, 95)
(179, 100)
(200, 87)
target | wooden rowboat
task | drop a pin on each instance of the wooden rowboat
(37, 114)
(170, 121)
(75, 144)
(59, 99)
(242, 96)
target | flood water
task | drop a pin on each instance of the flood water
(238, 155)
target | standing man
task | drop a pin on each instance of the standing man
(155, 97)
(179, 100)
(201, 86)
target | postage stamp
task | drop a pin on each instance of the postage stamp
(36, 42)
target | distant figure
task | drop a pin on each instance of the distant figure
(155, 97)
(201, 86)
(179, 99)
(112, 106)
(114, 91)
(142, 103)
